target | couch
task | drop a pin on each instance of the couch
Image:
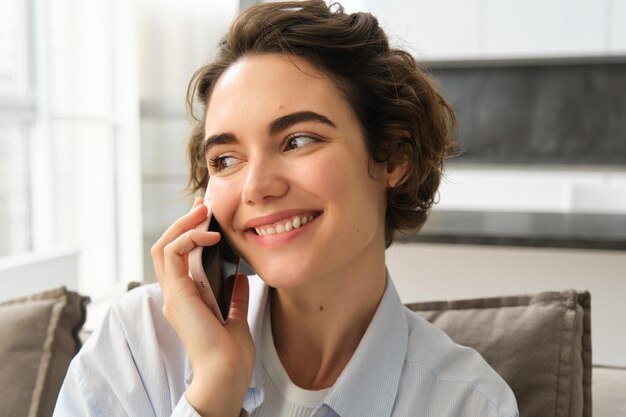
(540, 344)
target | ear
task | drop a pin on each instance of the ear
(396, 171)
(398, 163)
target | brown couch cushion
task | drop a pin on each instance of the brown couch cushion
(540, 344)
(39, 337)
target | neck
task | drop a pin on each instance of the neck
(325, 322)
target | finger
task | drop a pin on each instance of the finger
(176, 251)
(187, 222)
(196, 202)
(183, 224)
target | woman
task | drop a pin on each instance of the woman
(317, 143)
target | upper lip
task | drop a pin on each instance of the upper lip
(276, 217)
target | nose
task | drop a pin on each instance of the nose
(264, 181)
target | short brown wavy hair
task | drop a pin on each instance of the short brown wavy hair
(404, 117)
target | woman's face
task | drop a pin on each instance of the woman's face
(289, 175)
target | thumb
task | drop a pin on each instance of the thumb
(239, 300)
(237, 324)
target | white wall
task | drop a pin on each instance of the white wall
(431, 272)
(533, 189)
(496, 29)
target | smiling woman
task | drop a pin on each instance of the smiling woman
(297, 148)
(316, 142)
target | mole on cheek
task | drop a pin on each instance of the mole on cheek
(321, 308)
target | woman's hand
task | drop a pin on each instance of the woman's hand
(222, 357)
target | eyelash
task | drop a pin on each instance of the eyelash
(216, 163)
(301, 135)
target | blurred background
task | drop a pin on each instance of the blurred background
(93, 128)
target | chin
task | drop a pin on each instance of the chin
(284, 276)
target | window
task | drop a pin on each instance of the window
(16, 114)
(69, 141)
(73, 175)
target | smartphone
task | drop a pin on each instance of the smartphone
(209, 268)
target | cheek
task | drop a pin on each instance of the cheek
(224, 201)
(354, 199)
(325, 176)
(340, 176)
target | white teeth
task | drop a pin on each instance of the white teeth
(295, 223)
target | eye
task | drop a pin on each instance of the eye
(299, 141)
(222, 162)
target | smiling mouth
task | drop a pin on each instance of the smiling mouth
(285, 226)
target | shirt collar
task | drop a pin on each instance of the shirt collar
(256, 314)
(369, 383)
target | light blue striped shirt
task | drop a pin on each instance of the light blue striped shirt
(135, 365)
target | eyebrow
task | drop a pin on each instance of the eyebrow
(285, 122)
(219, 139)
(276, 126)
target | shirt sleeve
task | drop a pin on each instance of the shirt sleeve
(184, 409)
(116, 375)
(187, 410)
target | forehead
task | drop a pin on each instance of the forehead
(260, 88)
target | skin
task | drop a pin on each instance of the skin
(328, 276)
